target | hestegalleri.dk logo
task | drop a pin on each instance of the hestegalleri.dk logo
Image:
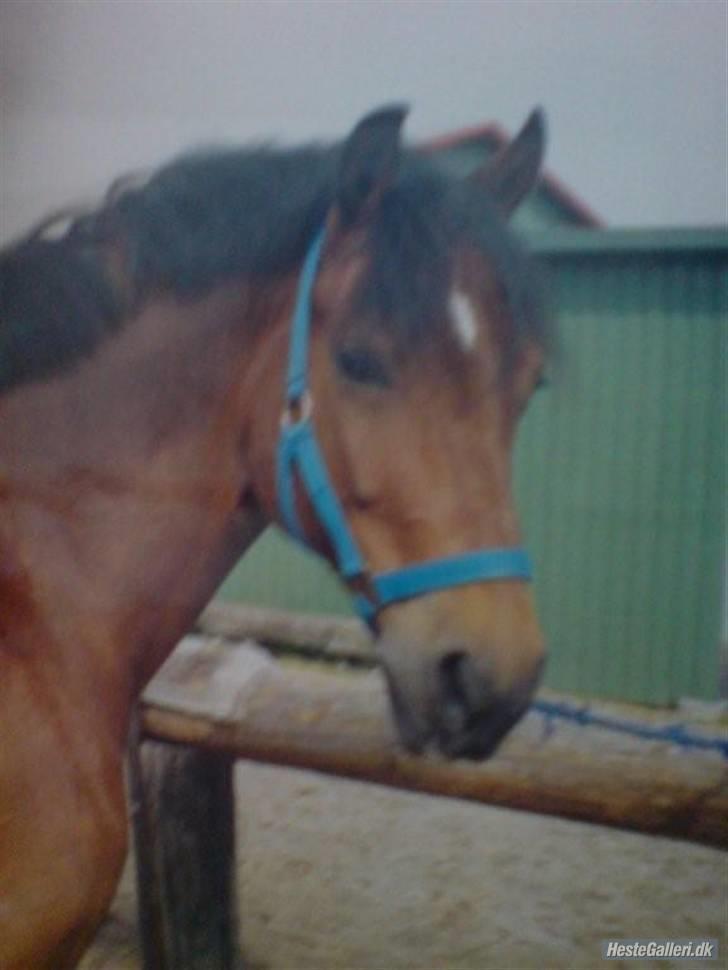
(660, 949)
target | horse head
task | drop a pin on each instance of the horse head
(424, 343)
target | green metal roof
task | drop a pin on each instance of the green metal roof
(557, 241)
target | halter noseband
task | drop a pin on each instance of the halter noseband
(298, 452)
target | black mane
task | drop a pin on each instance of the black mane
(210, 217)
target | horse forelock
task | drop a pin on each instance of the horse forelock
(424, 225)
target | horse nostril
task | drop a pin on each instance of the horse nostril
(463, 692)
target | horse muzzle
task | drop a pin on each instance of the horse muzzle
(451, 702)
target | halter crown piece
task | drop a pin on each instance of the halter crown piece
(299, 454)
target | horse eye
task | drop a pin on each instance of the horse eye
(542, 383)
(360, 365)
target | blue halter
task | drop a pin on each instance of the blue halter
(299, 453)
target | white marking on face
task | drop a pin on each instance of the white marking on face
(464, 321)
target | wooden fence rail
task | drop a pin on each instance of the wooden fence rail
(216, 701)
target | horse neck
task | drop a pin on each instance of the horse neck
(126, 492)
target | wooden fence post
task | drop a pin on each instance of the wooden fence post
(184, 831)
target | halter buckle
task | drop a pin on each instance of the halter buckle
(297, 411)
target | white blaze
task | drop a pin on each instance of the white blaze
(463, 319)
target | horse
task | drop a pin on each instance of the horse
(159, 408)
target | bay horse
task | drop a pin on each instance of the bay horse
(143, 356)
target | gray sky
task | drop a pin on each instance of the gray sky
(635, 90)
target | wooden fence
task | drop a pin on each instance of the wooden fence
(222, 696)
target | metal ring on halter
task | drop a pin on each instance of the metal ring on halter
(298, 411)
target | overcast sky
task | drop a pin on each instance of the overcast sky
(635, 90)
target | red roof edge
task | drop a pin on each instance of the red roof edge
(499, 137)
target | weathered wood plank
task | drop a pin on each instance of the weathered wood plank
(337, 637)
(238, 701)
(183, 820)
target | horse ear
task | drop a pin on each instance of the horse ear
(511, 174)
(369, 162)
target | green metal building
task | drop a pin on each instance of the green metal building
(620, 464)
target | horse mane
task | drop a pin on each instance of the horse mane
(212, 216)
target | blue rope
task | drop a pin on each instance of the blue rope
(672, 733)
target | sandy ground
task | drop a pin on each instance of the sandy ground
(338, 875)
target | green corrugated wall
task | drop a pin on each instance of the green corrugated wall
(620, 471)
(621, 468)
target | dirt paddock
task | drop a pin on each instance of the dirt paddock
(339, 875)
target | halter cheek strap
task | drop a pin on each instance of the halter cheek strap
(299, 456)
